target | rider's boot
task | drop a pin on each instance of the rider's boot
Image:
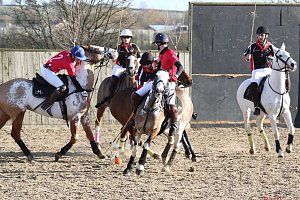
(135, 98)
(112, 87)
(288, 83)
(52, 98)
(255, 98)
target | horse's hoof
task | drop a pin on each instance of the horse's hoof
(187, 155)
(251, 151)
(58, 155)
(280, 155)
(156, 156)
(194, 159)
(288, 149)
(267, 148)
(166, 168)
(101, 156)
(139, 172)
(29, 158)
(126, 172)
(164, 160)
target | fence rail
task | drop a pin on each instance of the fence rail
(26, 63)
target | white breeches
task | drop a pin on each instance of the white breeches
(51, 77)
(171, 93)
(258, 74)
(118, 70)
(146, 88)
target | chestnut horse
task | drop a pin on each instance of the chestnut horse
(17, 96)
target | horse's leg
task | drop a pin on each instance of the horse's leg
(73, 140)
(98, 122)
(260, 126)
(276, 135)
(288, 121)
(246, 116)
(130, 164)
(140, 168)
(85, 121)
(3, 118)
(16, 135)
(123, 137)
(187, 146)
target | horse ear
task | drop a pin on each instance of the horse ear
(282, 46)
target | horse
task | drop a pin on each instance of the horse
(274, 99)
(19, 95)
(149, 119)
(126, 81)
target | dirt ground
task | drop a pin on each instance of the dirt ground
(224, 168)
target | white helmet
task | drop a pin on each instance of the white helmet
(126, 32)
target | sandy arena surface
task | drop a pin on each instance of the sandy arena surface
(224, 168)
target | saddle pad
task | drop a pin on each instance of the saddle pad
(41, 90)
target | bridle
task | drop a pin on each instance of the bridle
(283, 69)
(283, 61)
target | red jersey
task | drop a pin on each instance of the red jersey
(61, 61)
(168, 57)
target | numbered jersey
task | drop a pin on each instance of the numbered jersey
(61, 61)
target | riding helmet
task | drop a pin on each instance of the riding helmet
(161, 38)
(147, 58)
(126, 32)
(262, 29)
(78, 52)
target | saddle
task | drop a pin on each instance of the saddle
(248, 95)
(42, 89)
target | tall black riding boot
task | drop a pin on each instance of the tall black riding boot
(112, 87)
(52, 98)
(255, 98)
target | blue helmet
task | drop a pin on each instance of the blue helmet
(161, 38)
(78, 52)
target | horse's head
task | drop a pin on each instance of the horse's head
(131, 64)
(96, 54)
(93, 53)
(154, 99)
(282, 60)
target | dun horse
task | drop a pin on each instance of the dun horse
(148, 120)
(274, 99)
(17, 97)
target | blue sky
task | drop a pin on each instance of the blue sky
(161, 4)
(181, 5)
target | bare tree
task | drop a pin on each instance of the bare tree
(59, 23)
(176, 32)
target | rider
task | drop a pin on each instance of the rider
(144, 78)
(259, 54)
(64, 60)
(168, 61)
(125, 49)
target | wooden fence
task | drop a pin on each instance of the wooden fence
(25, 63)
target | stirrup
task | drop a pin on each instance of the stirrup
(256, 111)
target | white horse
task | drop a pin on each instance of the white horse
(274, 98)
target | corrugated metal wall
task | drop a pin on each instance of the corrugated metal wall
(220, 33)
(25, 63)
